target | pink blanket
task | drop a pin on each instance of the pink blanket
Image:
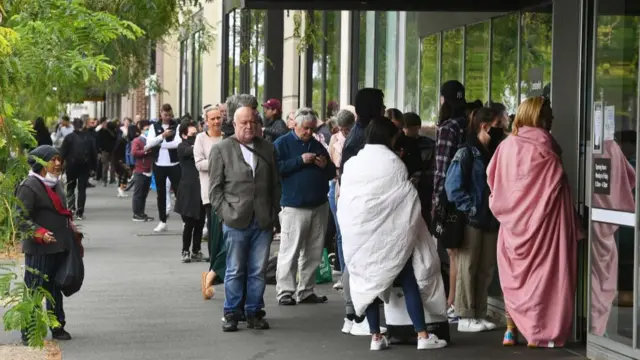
(604, 251)
(531, 198)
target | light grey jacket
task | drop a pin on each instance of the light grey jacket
(236, 195)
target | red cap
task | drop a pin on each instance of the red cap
(272, 104)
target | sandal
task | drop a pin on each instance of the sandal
(510, 337)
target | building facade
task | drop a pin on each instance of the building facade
(584, 54)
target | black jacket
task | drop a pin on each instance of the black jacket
(38, 212)
(43, 137)
(106, 140)
(274, 129)
(188, 200)
(79, 150)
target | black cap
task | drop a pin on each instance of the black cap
(453, 93)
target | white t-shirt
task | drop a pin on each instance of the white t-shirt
(248, 157)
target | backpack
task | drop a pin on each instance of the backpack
(81, 149)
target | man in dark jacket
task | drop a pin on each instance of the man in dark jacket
(274, 125)
(79, 153)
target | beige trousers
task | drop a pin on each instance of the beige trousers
(301, 244)
(476, 266)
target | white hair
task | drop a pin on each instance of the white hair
(239, 111)
(305, 114)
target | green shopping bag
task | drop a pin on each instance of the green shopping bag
(323, 273)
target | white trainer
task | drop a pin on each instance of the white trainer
(379, 344)
(432, 342)
(470, 325)
(488, 324)
(122, 194)
(347, 326)
(162, 227)
(362, 329)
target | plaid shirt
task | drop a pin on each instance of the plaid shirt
(449, 136)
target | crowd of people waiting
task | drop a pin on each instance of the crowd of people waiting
(489, 189)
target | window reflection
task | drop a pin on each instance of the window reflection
(504, 62)
(477, 62)
(256, 51)
(429, 78)
(452, 52)
(412, 63)
(316, 82)
(326, 64)
(536, 51)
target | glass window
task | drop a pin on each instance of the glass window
(256, 54)
(412, 63)
(186, 57)
(316, 81)
(196, 100)
(452, 52)
(333, 60)
(234, 52)
(504, 62)
(362, 50)
(536, 51)
(381, 51)
(388, 56)
(429, 78)
(477, 62)
(613, 142)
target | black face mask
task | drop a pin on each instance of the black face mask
(497, 135)
(191, 140)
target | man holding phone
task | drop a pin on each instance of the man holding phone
(163, 141)
(305, 170)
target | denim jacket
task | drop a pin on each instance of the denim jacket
(470, 191)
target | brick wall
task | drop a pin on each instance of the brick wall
(141, 105)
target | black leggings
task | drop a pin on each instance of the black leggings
(192, 232)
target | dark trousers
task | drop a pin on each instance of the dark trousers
(141, 185)
(77, 178)
(161, 173)
(192, 232)
(46, 266)
(99, 168)
(412, 298)
(108, 171)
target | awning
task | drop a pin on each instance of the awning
(394, 5)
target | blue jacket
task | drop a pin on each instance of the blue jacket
(303, 185)
(466, 186)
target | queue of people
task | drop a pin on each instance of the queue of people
(238, 182)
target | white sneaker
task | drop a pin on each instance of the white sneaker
(347, 326)
(162, 227)
(122, 194)
(432, 342)
(362, 329)
(470, 325)
(337, 285)
(451, 315)
(488, 324)
(380, 344)
(205, 232)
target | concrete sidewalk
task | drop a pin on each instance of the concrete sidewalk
(140, 302)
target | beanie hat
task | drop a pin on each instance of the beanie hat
(453, 93)
(42, 152)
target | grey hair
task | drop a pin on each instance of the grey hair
(237, 112)
(305, 114)
(345, 118)
(234, 102)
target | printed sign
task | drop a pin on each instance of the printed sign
(536, 87)
(597, 128)
(602, 176)
(609, 122)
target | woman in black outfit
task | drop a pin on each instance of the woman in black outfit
(46, 216)
(189, 202)
(42, 135)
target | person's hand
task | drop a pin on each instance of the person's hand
(167, 133)
(48, 238)
(308, 158)
(320, 161)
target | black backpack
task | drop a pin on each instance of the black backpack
(81, 150)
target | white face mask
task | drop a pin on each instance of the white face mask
(51, 177)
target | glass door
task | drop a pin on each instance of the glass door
(613, 236)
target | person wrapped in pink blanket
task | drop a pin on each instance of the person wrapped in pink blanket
(539, 229)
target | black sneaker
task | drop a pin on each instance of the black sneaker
(257, 321)
(314, 299)
(139, 218)
(229, 323)
(197, 257)
(149, 218)
(287, 300)
(24, 339)
(60, 334)
(186, 257)
(242, 318)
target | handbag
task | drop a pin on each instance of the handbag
(70, 274)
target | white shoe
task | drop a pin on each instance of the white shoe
(470, 325)
(451, 315)
(205, 232)
(162, 227)
(488, 324)
(432, 342)
(337, 285)
(347, 326)
(362, 329)
(122, 194)
(379, 344)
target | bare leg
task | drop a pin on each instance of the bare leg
(453, 273)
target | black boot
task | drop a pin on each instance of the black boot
(59, 333)
(230, 323)
(257, 321)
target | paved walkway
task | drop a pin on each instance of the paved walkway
(139, 302)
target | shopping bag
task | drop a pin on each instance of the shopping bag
(70, 274)
(323, 273)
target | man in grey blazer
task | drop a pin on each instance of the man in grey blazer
(245, 192)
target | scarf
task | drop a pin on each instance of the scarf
(45, 180)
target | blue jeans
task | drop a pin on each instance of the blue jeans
(412, 298)
(333, 205)
(247, 256)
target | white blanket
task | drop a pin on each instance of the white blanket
(380, 219)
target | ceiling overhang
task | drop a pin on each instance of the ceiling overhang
(394, 5)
